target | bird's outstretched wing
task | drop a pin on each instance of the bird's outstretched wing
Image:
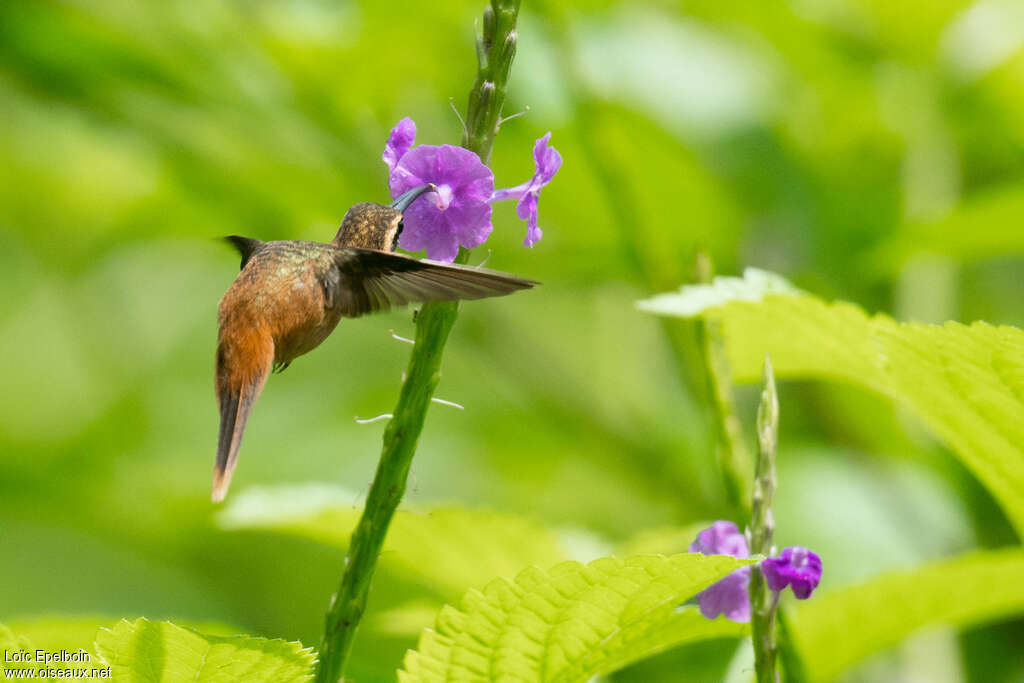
(366, 281)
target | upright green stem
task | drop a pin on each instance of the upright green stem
(496, 48)
(763, 602)
(733, 456)
(789, 658)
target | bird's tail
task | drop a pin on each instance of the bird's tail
(237, 392)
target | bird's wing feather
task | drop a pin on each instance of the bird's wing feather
(369, 281)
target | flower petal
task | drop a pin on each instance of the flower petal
(460, 215)
(546, 159)
(795, 566)
(511, 192)
(399, 142)
(546, 162)
(728, 596)
(470, 221)
(444, 248)
(426, 228)
(442, 165)
(721, 538)
(526, 209)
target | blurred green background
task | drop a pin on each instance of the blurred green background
(869, 151)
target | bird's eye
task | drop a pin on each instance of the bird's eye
(398, 232)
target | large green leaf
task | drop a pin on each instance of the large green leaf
(571, 622)
(836, 629)
(451, 549)
(412, 617)
(965, 382)
(141, 651)
(72, 634)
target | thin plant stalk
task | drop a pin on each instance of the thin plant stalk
(496, 48)
(733, 456)
(764, 602)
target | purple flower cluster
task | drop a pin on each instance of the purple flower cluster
(459, 213)
(795, 566)
(729, 596)
(547, 161)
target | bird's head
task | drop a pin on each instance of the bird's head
(369, 225)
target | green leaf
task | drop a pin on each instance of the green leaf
(571, 622)
(141, 651)
(693, 300)
(73, 634)
(965, 382)
(450, 549)
(836, 629)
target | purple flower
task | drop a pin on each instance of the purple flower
(459, 213)
(728, 596)
(721, 538)
(797, 567)
(399, 142)
(546, 161)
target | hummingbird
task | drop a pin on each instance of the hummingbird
(290, 295)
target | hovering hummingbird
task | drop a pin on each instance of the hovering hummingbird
(290, 295)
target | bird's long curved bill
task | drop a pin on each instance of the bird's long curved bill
(406, 198)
